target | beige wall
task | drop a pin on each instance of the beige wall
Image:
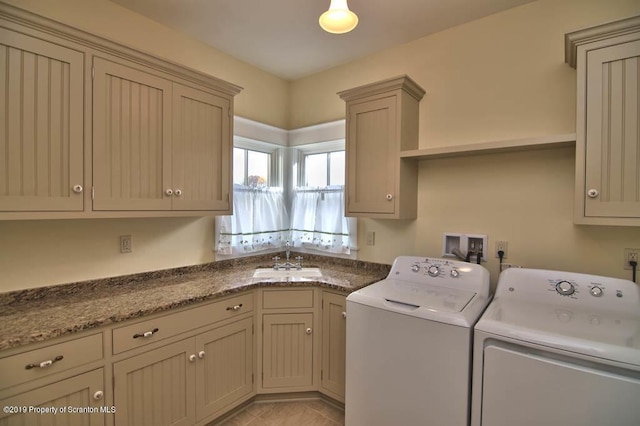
(501, 77)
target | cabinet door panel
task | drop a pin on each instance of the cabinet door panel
(201, 150)
(287, 358)
(74, 392)
(41, 114)
(225, 372)
(613, 137)
(371, 156)
(156, 388)
(333, 344)
(131, 139)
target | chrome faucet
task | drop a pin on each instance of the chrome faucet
(287, 265)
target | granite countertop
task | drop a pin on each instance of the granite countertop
(40, 314)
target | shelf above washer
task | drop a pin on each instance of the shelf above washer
(541, 142)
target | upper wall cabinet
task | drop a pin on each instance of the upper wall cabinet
(96, 129)
(41, 117)
(607, 59)
(382, 120)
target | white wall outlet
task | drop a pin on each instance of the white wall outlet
(501, 245)
(125, 244)
(371, 238)
(631, 254)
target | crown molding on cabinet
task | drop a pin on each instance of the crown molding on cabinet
(575, 39)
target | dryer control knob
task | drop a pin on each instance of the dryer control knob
(596, 291)
(433, 270)
(565, 288)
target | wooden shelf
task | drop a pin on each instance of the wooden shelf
(542, 142)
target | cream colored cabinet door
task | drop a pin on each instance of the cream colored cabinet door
(131, 139)
(224, 368)
(79, 401)
(612, 163)
(382, 121)
(202, 146)
(371, 156)
(157, 388)
(41, 117)
(287, 352)
(334, 333)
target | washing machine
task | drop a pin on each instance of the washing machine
(558, 348)
(409, 342)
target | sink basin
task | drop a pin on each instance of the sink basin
(291, 273)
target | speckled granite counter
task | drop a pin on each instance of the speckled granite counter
(39, 314)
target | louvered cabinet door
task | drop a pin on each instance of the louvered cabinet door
(224, 369)
(612, 163)
(287, 354)
(202, 146)
(157, 387)
(131, 139)
(41, 117)
(78, 392)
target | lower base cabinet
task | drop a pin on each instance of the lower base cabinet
(186, 382)
(334, 340)
(78, 401)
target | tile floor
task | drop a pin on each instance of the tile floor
(312, 412)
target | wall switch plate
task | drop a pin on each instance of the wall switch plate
(371, 238)
(125, 244)
(631, 254)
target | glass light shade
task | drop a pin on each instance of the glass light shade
(338, 19)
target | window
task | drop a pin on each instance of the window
(251, 168)
(324, 169)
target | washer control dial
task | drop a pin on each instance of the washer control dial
(454, 273)
(596, 291)
(433, 270)
(415, 268)
(565, 288)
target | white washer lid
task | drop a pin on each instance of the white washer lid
(603, 334)
(453, 306)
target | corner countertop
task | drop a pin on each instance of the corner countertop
(36, 315)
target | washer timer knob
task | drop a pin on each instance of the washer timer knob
(565, 288)
(596, 291)
(415, 268)
(433, 270)
(454, 273)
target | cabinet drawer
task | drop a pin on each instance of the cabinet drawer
(142, 333)
(275, 299)
(42, 362)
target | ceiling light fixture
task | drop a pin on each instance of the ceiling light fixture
(338, 19)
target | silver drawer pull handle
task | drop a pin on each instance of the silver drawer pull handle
(146, 333)
(44, 364)
(234, 308)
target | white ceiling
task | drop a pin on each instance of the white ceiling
(283, 36)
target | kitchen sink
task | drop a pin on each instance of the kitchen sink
(291, 273)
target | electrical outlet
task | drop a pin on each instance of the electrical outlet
(125, 244)
(371, 238)
(501, 245)
(630, 254)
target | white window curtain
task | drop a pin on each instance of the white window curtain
(259, 222)
(318, 221)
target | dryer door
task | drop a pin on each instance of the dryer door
(528, 388)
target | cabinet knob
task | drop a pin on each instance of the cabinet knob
(192, 358)
(344, 315)
(178, 192)
(98, 395)
(308, 330)
(389, 197)
(592, 193)
(169, 192)
(201, 354)
(77, 189)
